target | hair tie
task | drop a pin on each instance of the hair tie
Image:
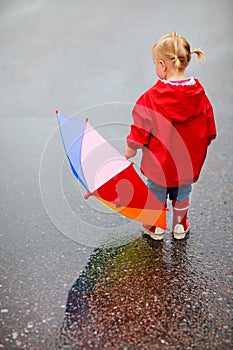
(192, 52)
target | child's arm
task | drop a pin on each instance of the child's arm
(211, 127)
(129, 152)
(140, 129)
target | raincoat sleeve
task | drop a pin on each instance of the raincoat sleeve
(140, 129)
(211, 127)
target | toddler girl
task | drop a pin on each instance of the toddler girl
(173, 125)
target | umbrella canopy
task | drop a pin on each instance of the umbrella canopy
(106, 174)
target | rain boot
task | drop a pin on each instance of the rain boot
(154, 232)
(180, 221)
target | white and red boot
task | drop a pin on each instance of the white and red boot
(181, 224)
(154, 232)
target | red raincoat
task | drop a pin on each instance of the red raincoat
(173, 125)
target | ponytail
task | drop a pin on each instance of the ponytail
(177, 59)
(174, 38)
(200, 54)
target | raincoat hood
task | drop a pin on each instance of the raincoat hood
(180, 103)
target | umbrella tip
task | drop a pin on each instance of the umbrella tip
(86, 120)
(56, 111)
(87, 195)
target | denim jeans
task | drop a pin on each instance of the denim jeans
(173, 193)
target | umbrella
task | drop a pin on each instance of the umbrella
(106, 174)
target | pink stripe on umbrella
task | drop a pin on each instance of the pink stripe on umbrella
(100, 160)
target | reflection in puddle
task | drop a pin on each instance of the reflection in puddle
(144, 295)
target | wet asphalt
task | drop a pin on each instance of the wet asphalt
(73, 275)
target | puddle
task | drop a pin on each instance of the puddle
(143, 295)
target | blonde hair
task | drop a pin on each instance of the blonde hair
(175, 48)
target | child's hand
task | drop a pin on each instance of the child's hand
(129, 152)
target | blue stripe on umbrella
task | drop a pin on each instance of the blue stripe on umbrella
(72, 131)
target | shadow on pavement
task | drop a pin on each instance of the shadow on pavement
(144, 295)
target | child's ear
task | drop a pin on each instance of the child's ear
(163, 65)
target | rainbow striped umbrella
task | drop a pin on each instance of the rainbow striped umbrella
(106, 174)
